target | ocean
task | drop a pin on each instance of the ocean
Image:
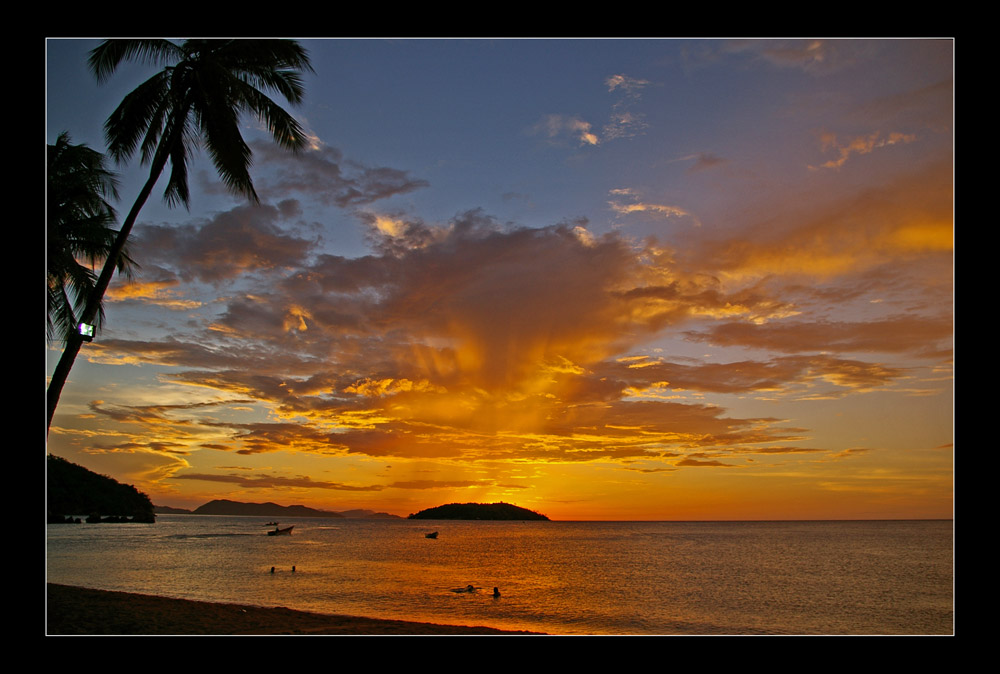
(593, 578)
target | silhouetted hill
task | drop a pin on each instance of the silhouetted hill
(74, 491)
(477, 511)
(225, 507)
(167, 510)
(367, 515)
(229, 508)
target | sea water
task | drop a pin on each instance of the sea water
(641, 578)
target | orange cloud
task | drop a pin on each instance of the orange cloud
(860, 145)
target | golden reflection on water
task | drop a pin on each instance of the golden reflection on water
(555, 577)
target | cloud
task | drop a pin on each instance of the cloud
(712, 463)
(902, 227)
(623, 207)
(324, 175)
(395, 234)
(625, 121)
(156, 286)
(853, 451)
(815, 56)
(474, 340)
(859, 145)
(454, 341)
(447, 484)
(783, 376)
(640, 207)
(558, 126)
(274, 482)
(898, 334)
(629, 85)
(246, 239)
(704, 161)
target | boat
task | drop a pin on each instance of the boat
(281, 532)
(433, 534)
(271, 524)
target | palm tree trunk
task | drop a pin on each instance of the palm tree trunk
(74, 342)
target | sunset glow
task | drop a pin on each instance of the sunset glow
(599, 279)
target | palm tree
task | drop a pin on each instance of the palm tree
(197, 98)
(78, 227)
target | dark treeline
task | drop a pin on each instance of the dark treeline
(74, 491)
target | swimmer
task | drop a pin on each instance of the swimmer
(496, 592)
(293, 568)
(272, 569)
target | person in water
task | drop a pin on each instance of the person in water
(496, 592)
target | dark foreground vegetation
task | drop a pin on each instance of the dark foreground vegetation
(74, 492)
(477, 511)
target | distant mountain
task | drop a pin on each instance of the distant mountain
(167, 510)
(226, 507)
(367, 514)
(74, 491)
(477, 511)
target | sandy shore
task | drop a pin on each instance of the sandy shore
(78, 610)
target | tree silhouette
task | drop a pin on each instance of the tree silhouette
(198, 98)
(79, 223)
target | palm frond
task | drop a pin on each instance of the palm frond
(139, 117)
(283, 127)
(177, 186)
(200, 96)
(79, 227)
(106, 57)
(229, 153)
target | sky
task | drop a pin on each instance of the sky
(601, 279)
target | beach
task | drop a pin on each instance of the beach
(83, 611)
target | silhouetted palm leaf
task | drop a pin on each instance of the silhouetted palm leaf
(197, 99)
(79, 223)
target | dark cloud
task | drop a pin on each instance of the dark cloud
(712, 463)
(324, 175)
(748, 376)
(243, 240)
(705, 161)
(176, 448)
(785, 450)
(898, 334)
(274, 482)
(447, 484)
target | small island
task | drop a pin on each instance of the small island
(478, 511)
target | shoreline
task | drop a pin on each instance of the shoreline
(73, 610)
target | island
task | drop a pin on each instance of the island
(75, 492)
(226, 507)
(478, 511)
(273, 510)
(167, 510)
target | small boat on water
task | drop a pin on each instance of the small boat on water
(271, 524)
(433, 534)
(281, 532)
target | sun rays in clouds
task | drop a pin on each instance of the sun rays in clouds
(726, 343)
